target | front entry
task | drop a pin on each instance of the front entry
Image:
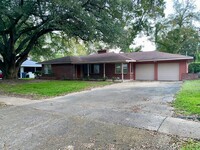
(78, 71)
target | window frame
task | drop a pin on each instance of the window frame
(96, 69)
(92, 69)
(125, 67)
(47, 69)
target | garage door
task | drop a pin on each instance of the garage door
(168, 71)
(144, 72)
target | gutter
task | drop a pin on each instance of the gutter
(191, 58)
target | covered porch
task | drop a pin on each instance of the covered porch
(121, 71)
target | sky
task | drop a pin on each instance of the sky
(147, 45)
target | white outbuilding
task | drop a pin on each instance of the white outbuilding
(28, 68)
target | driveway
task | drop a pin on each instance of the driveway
(121, 116)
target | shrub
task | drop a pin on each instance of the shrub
(38, 73)
(194, 67)
(105, 78)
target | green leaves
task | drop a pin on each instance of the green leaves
(23, 24)
(177, 33)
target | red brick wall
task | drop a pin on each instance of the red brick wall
(67, 71)
(110, 72)
(189, 76)
(63, 71)
(182, 69)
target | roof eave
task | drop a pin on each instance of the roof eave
(191, 58)
(101, 62)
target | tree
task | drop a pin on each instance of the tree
(57, 45)
(23, 23)
(177, 33)
(179, 41)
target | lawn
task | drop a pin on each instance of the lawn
(42, 89)
(188, 99)
(191, 145)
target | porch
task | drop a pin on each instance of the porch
(122, 71)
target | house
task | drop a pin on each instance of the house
(151, 65)
(28, 68)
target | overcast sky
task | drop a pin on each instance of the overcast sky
(147, 44)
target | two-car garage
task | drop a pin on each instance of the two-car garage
(157, 71)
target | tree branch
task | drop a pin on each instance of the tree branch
(32, 42)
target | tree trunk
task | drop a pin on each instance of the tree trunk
(10, 71)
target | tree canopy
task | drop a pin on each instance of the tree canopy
(178, 33)
(24, 22)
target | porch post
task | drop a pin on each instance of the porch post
(104, 70)
(88, 70)
(21, 71)
(122, 71)
(130, 71)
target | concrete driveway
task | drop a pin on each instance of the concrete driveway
(105, 118)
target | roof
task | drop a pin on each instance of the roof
(156, 56)
(30, 63)
(63, 60)
(118, 57)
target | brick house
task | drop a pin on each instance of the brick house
(151, 65)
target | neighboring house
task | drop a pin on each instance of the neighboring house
(152, 65)
(28, 68)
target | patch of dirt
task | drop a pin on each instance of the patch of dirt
(188, 117)
(30, 96)
(2, 104)
(14, 82)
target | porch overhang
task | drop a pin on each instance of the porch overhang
(102, 62)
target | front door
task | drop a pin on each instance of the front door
(78, 71)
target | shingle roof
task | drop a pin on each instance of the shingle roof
(63, 60)
(105, 58)
(117, 57)
(155, 56)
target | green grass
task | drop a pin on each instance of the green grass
(191, 145)
(188, 99)
(41, 89)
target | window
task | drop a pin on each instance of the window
(125, 67)
(95, 69)
(132, 68)
(47, 69)
(118, 68)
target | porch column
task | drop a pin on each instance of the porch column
(104, 70)
(21, 71)
(130, 69)
(88, 70)
(122, 71)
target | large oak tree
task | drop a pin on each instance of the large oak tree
(24, 22)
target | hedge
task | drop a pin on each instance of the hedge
(194, 67)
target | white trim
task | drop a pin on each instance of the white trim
(88, 70)
(122, 71)
(21, 71)
(104, 70)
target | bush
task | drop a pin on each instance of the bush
(105, 78)
(38, 73)
(194, 67)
